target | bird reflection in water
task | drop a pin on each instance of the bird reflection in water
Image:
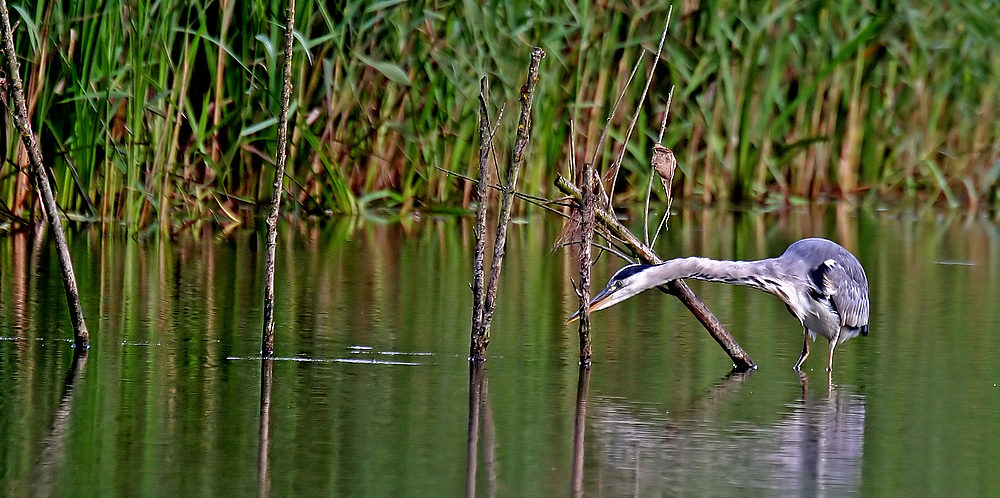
(814, 448)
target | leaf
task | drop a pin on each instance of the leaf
(305, 46)
(268, 46)
(391, 198)
(269, 122)
(384, 5)
(254, 128)
(388, 69)
(30, 25)
(665, 164)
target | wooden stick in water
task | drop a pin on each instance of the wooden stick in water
(81, 337)
(479, 341)
(267, 340)
(507, 201)
(587, 206)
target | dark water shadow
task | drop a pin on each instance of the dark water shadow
(264, 427)
(53, 454)
(480, 426)
(814, 448)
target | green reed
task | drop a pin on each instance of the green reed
(159, 113)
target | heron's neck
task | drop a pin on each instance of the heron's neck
(757, 274)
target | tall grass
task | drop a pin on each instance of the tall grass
(159, 113)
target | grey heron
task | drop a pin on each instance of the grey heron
(821, 283)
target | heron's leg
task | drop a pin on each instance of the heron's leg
(833, 345)
(805, 349)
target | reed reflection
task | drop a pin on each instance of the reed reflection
(20, 274)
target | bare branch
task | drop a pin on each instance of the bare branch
(481, 336)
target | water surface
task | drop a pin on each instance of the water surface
(371, 395)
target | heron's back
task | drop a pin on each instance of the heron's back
(836, 273)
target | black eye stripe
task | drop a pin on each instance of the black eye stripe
(628, 271)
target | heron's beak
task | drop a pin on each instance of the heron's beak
(595, 304)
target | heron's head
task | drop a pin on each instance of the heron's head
(625, 283)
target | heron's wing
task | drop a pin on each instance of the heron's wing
(847, 287)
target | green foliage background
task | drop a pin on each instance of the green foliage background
(158, 113)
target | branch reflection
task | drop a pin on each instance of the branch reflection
(480, 423)
(53, 455)
(580, 427)
(264, 427)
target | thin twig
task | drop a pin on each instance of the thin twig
(649, 184)
(572, 147)
(670, 198)
(534, 200)
(614, 251)
(645, 210)
(611, 115)
(493, 134)
(638, 108)
(663, 220)
(666, 115)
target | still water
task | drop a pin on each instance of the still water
(372, 394)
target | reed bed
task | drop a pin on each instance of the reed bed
(157, 113)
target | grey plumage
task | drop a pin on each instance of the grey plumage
(822, 284)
